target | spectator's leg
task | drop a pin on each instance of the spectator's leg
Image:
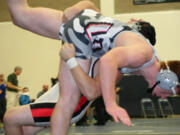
(12, 99)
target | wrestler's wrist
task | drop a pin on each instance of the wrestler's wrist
(72, 62)
(109, 106)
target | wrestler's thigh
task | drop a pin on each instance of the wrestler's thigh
(97, 78)
(20, 115)
(67, 83)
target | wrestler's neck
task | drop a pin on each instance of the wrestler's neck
(150, 73)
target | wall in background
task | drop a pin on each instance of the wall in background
(127, 6)
(167, 31)
(38, 56)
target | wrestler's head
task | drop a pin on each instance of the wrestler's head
(168, 79)
(145, 28)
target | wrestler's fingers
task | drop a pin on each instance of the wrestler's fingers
(116, 119)
(126, 121)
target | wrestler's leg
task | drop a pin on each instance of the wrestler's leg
(15, 118)
(69, 98)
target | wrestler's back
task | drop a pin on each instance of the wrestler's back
(92, 33)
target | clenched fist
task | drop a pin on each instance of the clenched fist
(67, 51)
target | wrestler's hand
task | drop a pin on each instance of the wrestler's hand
(67, 51)
(119, 114)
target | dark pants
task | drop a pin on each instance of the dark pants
(2, 108)
(100, 113)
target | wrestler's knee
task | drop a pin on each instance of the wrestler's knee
(94, 93)
(91, 95)
(9, 117)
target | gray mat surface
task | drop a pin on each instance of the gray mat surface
(170, 126)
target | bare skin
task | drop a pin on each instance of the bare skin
(128, 53)
(19, 121)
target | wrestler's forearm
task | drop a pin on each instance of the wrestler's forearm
(108, 75)
(89, 87)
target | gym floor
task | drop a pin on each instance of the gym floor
(162, 126)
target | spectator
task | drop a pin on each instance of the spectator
(12, 88)
(44, 90)
(2, 100)
(24, 97)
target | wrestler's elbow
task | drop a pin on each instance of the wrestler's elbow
(104, 62)
(92, 93)
(16, 21)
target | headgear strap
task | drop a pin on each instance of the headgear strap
(166, 79)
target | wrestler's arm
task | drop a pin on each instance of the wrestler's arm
(42, 21)
(116, 58)
(109, 64)
(89, 87)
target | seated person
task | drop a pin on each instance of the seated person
(45, 88)
(24, 97)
